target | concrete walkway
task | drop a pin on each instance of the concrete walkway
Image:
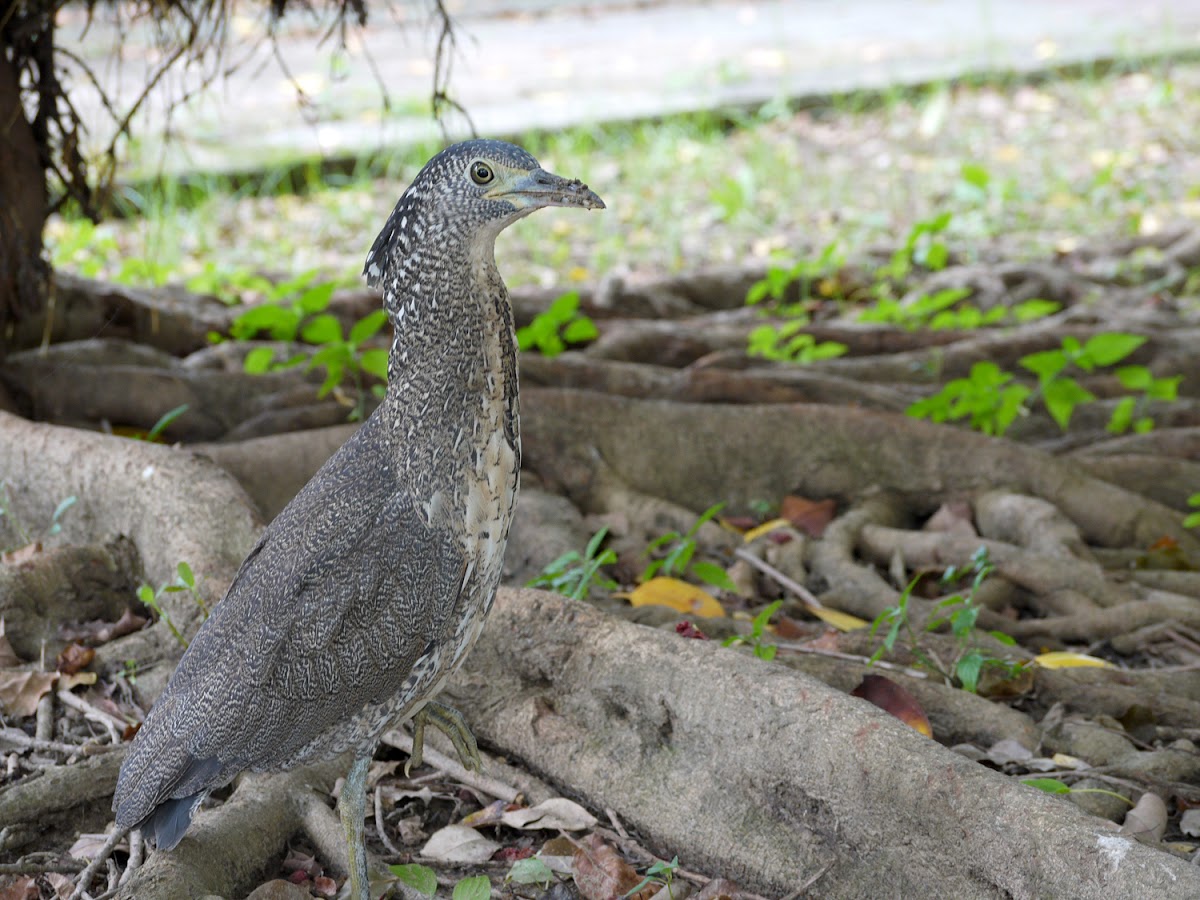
(526, 64)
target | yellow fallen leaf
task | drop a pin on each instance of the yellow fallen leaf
(1065, 659)
(835, 618)
(759, 530)
(677, 594)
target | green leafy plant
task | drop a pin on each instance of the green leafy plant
(1192, 520)
(788, 343)
(423, 880)
(79, 246)
(574, 575)
(1054, 786)
(805, 273)
(185, 580)
(992, 399)
(958, 613)
(561, 324)
(989, 396)
(659, 873)
(303, 318)
(678, 559)
(762, 648)
(923, 246)
(942, 311)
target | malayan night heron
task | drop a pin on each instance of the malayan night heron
(367, 591)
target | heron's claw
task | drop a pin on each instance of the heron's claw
(451, 723)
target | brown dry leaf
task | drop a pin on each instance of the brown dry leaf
(66, 682)
(719, 889)
(555, 814)
(998, 684)
(324, 886)
(88, 845)
(101, 632)
(677, 594)
(795, 629)
(23, 887)
(894, 699)
(21, 554)
(954, 517)
(8, 656)
(20, 691)
(691, 632)
(489, 815)
(73, 658)
(600, 874)
(459, 844)
(808, 516)
(1148, 820)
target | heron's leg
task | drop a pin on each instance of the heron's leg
(352, 807)
(451, 723)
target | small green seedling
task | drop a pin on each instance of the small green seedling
(574, 575)
(185, 580)
(551, 331)
(758, 628)
(164, 422)
(1054, 786)
(959, 613)
(680, 548)
(1192, 520)
(659, 873)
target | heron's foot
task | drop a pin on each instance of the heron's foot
(450, 722)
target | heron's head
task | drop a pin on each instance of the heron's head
(465, 196)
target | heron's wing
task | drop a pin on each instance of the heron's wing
(330, 612)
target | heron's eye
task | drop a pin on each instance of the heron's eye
(481, 172)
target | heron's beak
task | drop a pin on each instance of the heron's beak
(537, 188)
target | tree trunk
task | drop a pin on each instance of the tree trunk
(23, 272)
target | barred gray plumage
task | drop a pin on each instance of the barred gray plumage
(369, 588)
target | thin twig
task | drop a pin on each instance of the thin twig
(850, 657)
(612, 817)
(806, 596)
(380, 824)
(85, 878)
(803, 889)
(20, 739)
(490, 786)
(115, 726)
(35, 867)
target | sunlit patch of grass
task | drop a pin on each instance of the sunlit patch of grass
(1032, 167)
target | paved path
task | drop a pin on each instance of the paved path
(542, 64)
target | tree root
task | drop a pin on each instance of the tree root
(65, 584)
(769, 776)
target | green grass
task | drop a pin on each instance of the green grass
(1036, 167)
